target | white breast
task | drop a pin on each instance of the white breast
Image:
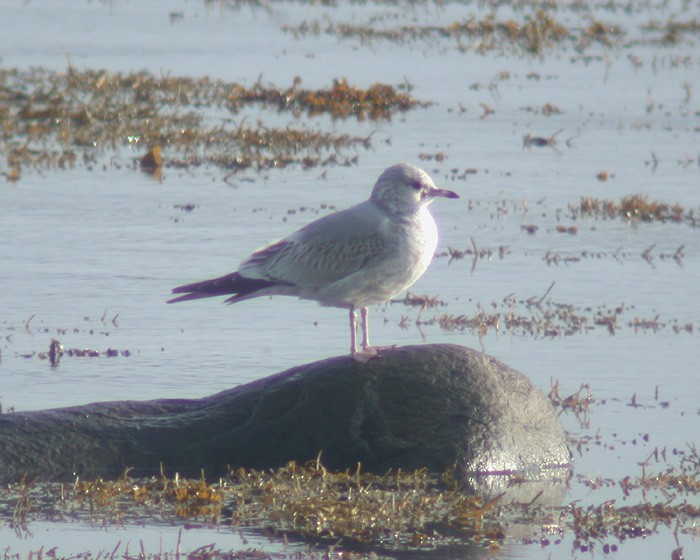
(416, 241)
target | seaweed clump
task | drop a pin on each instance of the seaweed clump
(634, 207)
(341, 100)
(532, 35)
(54, 120)
(395, 511)
(544, 318)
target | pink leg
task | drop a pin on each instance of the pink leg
(365, 328)
(367, 352)
(353, 331)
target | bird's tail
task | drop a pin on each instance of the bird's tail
(224, 285)
(239, 287)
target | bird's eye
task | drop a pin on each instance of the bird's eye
(417, 185)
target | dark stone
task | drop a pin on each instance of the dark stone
(418, 406)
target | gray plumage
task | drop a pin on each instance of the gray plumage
(361, 256)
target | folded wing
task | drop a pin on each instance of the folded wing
(315, 256)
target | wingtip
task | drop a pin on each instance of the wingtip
(185, 297)
(177, 290)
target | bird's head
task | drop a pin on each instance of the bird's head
(404, 189)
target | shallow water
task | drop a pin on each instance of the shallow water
(89, 257)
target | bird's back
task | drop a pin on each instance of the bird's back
(323, 251)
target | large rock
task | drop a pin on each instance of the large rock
(419, 406)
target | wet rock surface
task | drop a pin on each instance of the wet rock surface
(418, 406)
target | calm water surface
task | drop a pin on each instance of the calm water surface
(89, 257)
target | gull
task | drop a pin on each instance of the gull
(354, 258)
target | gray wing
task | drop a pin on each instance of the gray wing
(323, 251)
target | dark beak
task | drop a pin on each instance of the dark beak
(443, 193)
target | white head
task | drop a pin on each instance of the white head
(404, 189)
